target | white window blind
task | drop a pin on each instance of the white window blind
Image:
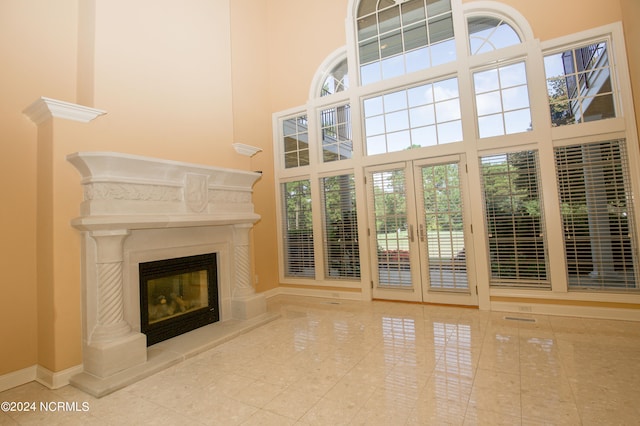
(593, 186)
(298, 227)
(342, 255)
(514, 220)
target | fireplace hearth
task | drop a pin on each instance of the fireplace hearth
(177, 295)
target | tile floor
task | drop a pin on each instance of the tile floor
(327, 362)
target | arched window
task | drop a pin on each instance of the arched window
(487, 33)
(399, 37)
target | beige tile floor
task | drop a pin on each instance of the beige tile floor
(329, 362)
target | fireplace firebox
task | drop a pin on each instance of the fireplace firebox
(178, 295)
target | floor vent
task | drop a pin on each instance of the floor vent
(520, 319)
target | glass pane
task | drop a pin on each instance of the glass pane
(376, 145)
(436, 7)
(392, 67)
(422, 116)
(367, 27)
(342, 256)
(298, 226)
(579, 85)
(488, 103)
(444, 228)
(395, 101)
(417, 60)
(513, 213)
(397, 121)
(336, 133)
(446, 89)
(486, 81)
(415, 37)
(515, 98)
(517, 121)
(424, 136)
(373, 106)
(440, 29)
(366, 7)
(491, 125)
(370, 73)
(443, 52)
(597, 216)
(337, 80)
(374, 125)
(389, 19)
(176, 295)
(390, 216)
(390, 44)
(487, 33)
(513, 75)
(413, 11)
(450, 132)
(420, 95)
(369, 51)
(398, 141)
(448, 111)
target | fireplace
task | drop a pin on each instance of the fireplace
(137, 211)
(177, 295)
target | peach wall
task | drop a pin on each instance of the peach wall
(552, 18)
(252, 126)
(301, 35)
(37, 41)
(630, 18)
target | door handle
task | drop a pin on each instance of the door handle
(411, 233)
(421, 228)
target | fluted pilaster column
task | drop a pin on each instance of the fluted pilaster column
(246, 303)
(242, 285)
(110, 323)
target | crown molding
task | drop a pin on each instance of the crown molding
(247, 150)
(45, 108)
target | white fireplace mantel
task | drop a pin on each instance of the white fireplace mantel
(137, 209)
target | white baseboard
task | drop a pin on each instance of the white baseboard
(315, 292)
(55, 380)
(17, 378)
(40, 374)
(567, 310)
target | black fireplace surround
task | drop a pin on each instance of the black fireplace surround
(178, 295)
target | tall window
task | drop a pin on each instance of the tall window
(514, 219)
(593, 185)
(342, 255)
(298, 227)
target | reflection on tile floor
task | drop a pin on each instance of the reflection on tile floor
(381, 363)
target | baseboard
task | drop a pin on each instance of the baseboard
(316, 292)
(17, 378)
(55, 380)
(567, 310)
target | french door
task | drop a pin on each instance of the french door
(419, 232)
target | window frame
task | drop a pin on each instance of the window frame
(543, 137)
